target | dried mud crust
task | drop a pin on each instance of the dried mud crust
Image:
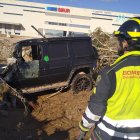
(56, 118)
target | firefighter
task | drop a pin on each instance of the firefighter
(114, 107)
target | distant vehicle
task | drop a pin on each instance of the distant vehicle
(51, 63)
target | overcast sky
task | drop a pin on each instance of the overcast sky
(128, 6)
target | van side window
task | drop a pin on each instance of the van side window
(27, 53)
(58, 50)
(36, 52)
(30, 53)
(80, 48)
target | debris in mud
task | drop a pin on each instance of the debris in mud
(106, 45)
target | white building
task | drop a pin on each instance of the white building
(16, 18)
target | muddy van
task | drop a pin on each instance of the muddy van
(43, 64)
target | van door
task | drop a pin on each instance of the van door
(28, 73)
(57, 60)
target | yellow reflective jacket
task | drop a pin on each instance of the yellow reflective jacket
(116, 101)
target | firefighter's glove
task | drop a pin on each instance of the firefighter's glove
(81, 135)
(82, 132)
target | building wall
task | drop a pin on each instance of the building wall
(16, 17)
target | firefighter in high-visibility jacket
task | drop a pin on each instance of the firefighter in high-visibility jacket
(114, 108)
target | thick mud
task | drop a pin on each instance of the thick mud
(55, 118)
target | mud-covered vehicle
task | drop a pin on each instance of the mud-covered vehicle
(42, 64)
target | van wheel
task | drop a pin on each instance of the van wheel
(81, 82)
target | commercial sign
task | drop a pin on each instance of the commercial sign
(55, 9)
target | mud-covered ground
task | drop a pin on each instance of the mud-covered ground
(55, 118)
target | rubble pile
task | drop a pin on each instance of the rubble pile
(106, 45)
(5, 48)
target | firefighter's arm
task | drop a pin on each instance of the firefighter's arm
(98, 101)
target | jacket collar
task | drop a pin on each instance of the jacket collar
(126, 55)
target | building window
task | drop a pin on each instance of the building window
(116, 24)
(9, 33)
(17, 33)
(1, 26)
(67, 16)
(102, 18)
(78, 34)
(53, 33)
(108, 15)
(22, 5)
(13, 14)
(17, 30)
(8, 29)
(34, 11)
(40, 30)
(79, 26)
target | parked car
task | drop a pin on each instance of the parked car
(50, 63)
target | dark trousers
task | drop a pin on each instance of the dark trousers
(99, 134)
